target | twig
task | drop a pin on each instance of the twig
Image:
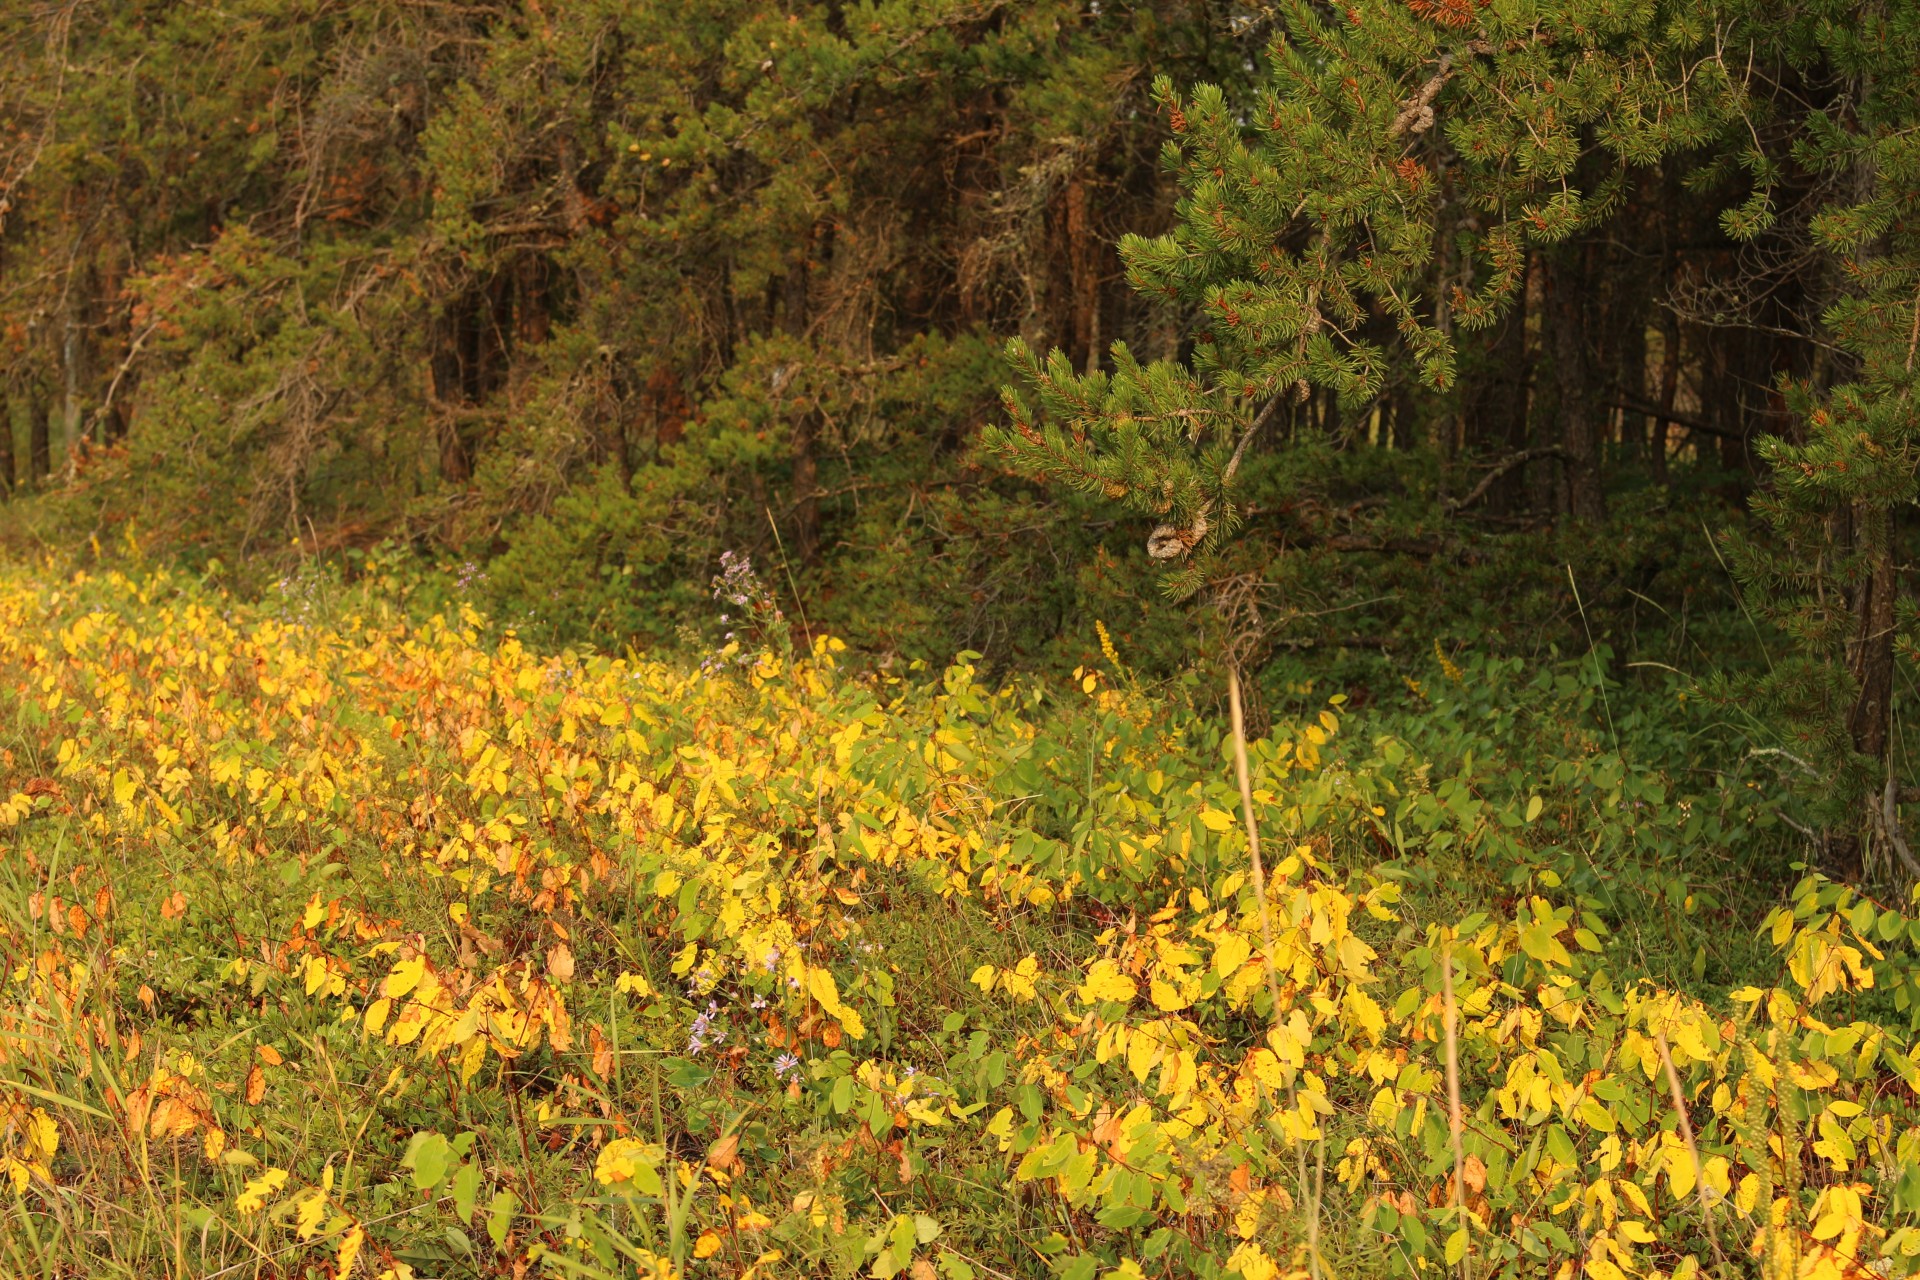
(1501, 468)
(1600, 677)
(1788, 756)
(1450, 1016)
(1260, 420)
(792, 586)
(1890, 824)
(1416, 113)
(1266, 939)
(1693, 1149)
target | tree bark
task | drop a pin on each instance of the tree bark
(1669, 388)
(1586, 501)
(1084, 274)
(1870, 660)
(6, 448)
(800, 434)
(39, 442)
(448, 371)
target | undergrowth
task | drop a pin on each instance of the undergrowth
(344, 941)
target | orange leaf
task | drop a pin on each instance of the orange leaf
(724, 1155)
(602, 1053)
(256, 1085)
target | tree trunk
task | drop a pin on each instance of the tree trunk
(1083, 267)
(72, 356)
(1669, 388)
(797, 306)
(39, 443)
(1493, 402)
(448, 370)
(6, 448)
(1870, 659)
(806, 481)
(1586, 502)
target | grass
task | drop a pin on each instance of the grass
(342, 942)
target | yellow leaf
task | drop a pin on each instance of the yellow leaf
(311, 1212)
(1143, 1051)
(1681, 1174)
(405, 977)
(259, 1190)
(1215, 820)
(1106, 982)
(1166, 996)
(1230, 952)
(377, 1015)
(707, 1245)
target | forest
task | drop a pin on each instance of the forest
(987, 639)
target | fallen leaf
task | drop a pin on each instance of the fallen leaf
(724, 1155)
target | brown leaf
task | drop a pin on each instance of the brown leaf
(602, 1053)
(921, 1268)
(560, 962)
(1241, 1179)
(77, 921)
(724, 1155)
(1473, 1171)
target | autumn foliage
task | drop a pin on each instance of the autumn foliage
(349, 944)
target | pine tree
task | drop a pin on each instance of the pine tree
(1826, 569)
(1381, 189)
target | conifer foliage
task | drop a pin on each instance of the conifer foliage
(1382, 186)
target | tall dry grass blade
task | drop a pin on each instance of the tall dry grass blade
(1693, 1148)
(1309, 1203)
(1450, 1015)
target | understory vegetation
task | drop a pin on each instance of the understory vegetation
(348, 938)
(960, 639)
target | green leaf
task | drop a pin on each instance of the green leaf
(500, 1217)
(428, 1156)
(466, 1189)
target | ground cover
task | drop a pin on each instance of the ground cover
(344, 942)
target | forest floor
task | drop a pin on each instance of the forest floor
(342, 941)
